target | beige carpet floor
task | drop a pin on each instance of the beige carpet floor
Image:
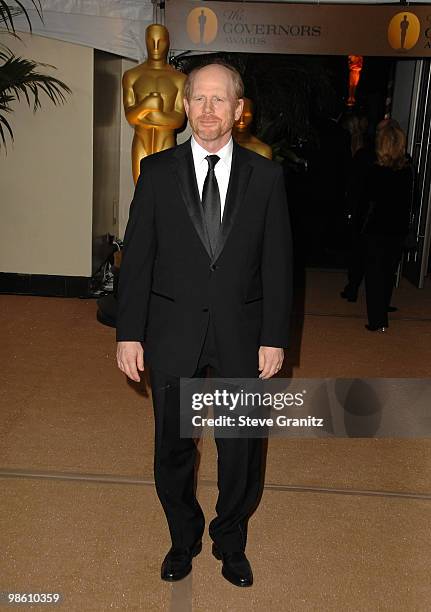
(343, 524)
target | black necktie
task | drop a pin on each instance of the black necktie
(211, 202)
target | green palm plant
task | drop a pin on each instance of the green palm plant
(20, 77)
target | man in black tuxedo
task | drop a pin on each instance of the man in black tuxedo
(205, 281)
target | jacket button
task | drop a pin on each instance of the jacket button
(213, 267)
(204, 309)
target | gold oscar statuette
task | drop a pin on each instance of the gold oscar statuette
(243, 136)
(356, 63)
(153, 99)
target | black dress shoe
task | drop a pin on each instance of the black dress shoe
(378, 328)
(178, 562)
(236, 567)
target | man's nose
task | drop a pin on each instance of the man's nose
(209, 105)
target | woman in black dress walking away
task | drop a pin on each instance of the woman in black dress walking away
(389, 188)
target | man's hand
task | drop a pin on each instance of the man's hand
(130, 359)
(270, 361)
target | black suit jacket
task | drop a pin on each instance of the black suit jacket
(170, 284)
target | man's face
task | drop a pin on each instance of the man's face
(213, 108)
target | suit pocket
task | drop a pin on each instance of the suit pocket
(254, 299)
(163, 282)
(162, 294)
(253, 289)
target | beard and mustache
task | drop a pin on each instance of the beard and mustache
(210, 127)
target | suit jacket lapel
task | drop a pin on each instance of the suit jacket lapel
(238, 181)
(239, 177)
(184, 169)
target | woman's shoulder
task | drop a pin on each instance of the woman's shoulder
(399, 171)
(406, 173)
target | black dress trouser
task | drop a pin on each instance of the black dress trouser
(356, 269)
(382, 256)
(239, 468)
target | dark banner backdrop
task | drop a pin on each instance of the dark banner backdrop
(300, 28)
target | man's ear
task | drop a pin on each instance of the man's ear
(239, 109)
(186, 106)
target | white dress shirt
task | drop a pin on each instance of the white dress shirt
(222, 168)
